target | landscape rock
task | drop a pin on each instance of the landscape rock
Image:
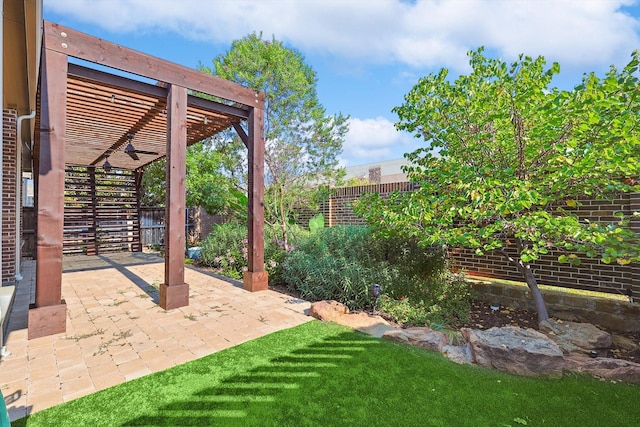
(418, 337)
(624, 342)
(604, 367)
(515, 350)
(458, 353)
(333, 311)
(328, 310)
(576, 338)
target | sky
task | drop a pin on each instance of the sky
(369, 53)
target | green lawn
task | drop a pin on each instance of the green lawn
(323, 374)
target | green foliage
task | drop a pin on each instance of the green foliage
(507, 156)
(225, 250)
(302, 141)
(447, 302)
(316, 223)
(342, 263)
(208, 184)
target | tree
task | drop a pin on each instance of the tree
(507, 159)
(208, 182)
(302, 142)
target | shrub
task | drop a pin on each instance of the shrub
(449, 302)
(332, 264)
(225, 250)
(342, 263)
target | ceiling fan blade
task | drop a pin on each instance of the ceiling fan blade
(152, 153)
(133, 155)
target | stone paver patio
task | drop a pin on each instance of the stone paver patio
(117, 332)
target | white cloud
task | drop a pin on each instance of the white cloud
(374, 140)
(426, 34)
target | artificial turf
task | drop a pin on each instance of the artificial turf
(321, 374)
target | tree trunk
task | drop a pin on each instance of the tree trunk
(541, 308)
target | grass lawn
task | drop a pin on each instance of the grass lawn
(321, 374)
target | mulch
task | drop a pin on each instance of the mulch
(484, 317)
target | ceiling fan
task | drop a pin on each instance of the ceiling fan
(132, 152)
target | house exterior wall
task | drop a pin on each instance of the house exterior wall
(9, 194)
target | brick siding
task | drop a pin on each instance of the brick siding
(9, 171)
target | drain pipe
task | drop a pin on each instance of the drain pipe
(1, 116)
(19, 190)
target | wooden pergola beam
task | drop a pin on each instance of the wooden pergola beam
(83, 46)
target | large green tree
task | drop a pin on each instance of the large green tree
(508, 157)
(210, 182)
(302, 142)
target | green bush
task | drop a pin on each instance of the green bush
(225, 250)
(335, 263)
(342, 263)
(449, 302)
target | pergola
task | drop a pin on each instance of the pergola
(88, 116)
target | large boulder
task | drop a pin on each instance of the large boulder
(515, 350)
(604, 367)
(328, 311)
(458, 353)
(418, 337)
(333, 311)
(576, 338)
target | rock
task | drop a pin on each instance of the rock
(328, 310)
(367, 323)
(515, 350)
(333, 311)
(604, 367)
(624, 342)
(419, 337)
(458, 353)
(576, 338)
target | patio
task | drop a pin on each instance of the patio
(117, 332)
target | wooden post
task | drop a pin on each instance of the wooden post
(95, 250)
(256, 278)
(48, 316)
(174, 292)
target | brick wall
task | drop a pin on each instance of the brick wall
(592, 274)
(9, 171)
(337, 209)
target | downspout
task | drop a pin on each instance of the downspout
(19, 191)
(2, 116)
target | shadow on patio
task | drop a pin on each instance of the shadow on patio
(117, 332)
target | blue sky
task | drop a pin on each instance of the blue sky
(369, 53)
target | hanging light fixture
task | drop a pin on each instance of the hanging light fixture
(129, 149)
(106, 166)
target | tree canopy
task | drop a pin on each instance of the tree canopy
(302, 141)
(208, 182)
(508, 157)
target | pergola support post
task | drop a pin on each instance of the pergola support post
(256, 278)
(174, 292)
(49, 313)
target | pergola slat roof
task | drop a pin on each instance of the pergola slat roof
(102, 109)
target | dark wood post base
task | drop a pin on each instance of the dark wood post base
(47, 320)
(174, 296)
(255, 281)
